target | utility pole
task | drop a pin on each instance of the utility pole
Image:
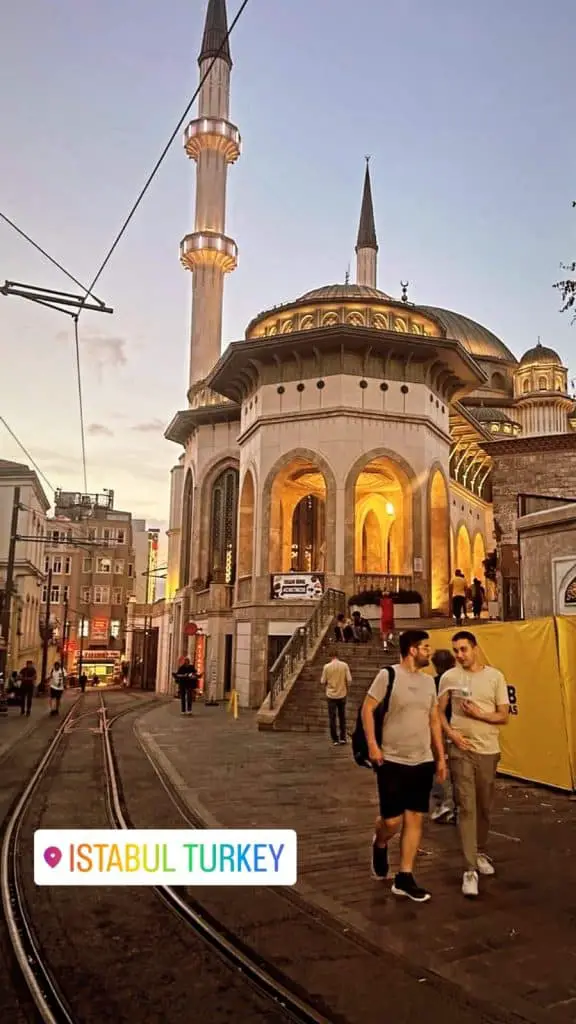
(64, 627)
(9, 587)
(46, 631)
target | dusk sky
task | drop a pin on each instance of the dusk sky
(465, 108)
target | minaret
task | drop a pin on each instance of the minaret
(367, 246)
(213, 142)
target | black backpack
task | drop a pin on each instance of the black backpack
(359, 743)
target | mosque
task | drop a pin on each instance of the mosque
(341, 445)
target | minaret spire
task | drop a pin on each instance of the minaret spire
(215, 32)
(367, 245)
(213, 142)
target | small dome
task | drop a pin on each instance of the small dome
(540, 354)
(344, 291)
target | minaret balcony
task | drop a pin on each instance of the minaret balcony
(209, 248)
(213, 133)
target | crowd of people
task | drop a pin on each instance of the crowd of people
(438, 751)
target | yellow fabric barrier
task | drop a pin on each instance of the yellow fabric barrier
(536, 742)
(566, 631)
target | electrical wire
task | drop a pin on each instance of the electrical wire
(47, 256)
(27, 454)
(160, 160)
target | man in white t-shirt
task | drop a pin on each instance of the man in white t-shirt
(478, 695)
(56, 688)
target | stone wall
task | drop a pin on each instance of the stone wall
(535, 465)
(548, 562)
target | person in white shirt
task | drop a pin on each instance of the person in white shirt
(478, 695)
(336, 678)
(56, 688)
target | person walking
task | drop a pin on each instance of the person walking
(27, 684)
(411, 751)
(56, 688)
(336, 678)
(187, 679)
(458, 591)
(478, 694)
(387, 620)
(442, 806)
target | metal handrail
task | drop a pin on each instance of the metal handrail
(303, 640)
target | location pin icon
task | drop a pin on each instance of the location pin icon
(52, 856)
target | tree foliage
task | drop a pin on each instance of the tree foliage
(567, 288)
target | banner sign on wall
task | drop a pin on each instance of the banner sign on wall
(294, 585)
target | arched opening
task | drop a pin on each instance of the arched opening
(223, 515)
(464, 553)
(186, 531)
(246, 527)
(308, 532)
(439, 544)
(452, 550)
(478, 556)
(382, 520)
(298, 519)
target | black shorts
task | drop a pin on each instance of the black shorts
(55, 694)
(404, 787)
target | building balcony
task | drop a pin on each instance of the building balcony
(213, 133)
(205, 248)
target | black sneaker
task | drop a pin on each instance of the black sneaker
(379, 861)
(404, 885)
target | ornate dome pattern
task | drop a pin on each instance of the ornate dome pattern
(540, 354)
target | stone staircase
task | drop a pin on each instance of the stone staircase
(305, 708)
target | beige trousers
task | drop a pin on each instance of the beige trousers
(473, 779)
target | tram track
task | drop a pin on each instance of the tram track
(54, 997)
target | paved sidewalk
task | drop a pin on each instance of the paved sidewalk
(14, 727)
(514, 946)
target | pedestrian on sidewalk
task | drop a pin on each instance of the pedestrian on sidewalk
(442, 806)
(336, 678)
(27, 684)
(187, 679)
(478, 694)
(405, 765)
(458, 591)
(56, 688)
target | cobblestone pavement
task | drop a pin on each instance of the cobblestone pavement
(513, 947)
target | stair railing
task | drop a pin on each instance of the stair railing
(303, 640)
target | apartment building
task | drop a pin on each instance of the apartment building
(90, 576)
(20, 637)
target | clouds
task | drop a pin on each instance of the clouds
(155, 426)
(103, 351)
(99, 430)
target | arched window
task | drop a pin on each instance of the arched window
(542, 384)
(186, 530)
(223, 515)
(526, 386)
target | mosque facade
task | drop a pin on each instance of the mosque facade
(342, 444)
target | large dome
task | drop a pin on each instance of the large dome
(477, 340)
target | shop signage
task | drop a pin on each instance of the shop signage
(297, 586)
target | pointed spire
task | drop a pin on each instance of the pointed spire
(215, 31)
(367, 228)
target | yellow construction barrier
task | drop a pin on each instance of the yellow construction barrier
(233, 703)
(538, 742)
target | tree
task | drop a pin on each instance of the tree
(567, 288)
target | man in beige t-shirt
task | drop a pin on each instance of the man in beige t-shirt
(336, 678)
(478, 695)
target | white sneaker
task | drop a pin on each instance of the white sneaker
(485, 865)
(470, 883)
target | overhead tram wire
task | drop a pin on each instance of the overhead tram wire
(27, 454)
(88, 293)
(162, 156)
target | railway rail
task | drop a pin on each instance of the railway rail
(34, 962)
